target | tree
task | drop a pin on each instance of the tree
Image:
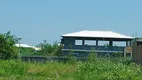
(49, 49)
(8, 50)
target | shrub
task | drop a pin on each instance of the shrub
(92, 56)
(104, 69)
(49, 49)
(7, 46)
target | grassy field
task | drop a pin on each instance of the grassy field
(98, 69)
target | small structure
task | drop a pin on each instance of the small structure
(83, 42)
(27, 46)
(137, 50)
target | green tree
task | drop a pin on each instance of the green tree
(92, 56)
(49, 49)
(8, 49)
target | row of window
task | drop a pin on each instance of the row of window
(100, 43)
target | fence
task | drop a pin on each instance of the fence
(44, 59)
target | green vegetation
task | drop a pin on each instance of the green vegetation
(49, 50)
(93, 69)
(27, 51)
(108, 70)
(7, 46)
(18, 70)
(100, 69)
(8, 50)
(46, 50)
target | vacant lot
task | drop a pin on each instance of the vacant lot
(101, 69)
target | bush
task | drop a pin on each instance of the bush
(101, 69)
(92, 56)
(18, 70)
(104, 69)
(8, 49)
(50, 50)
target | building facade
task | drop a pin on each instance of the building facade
(83, 43)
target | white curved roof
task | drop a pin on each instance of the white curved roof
(23, 45)
(97, 34)
(27, 46)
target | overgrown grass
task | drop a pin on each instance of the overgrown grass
(107, 70)
(99, 69)
(12, 69)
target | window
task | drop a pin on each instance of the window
(78, 42)
(103, 43)
(90, 42)
(118, 43)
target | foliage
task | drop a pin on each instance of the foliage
(104, 69)
(117, 55)
(58, 50)
(18, 70)
(27, 51)
(92, 55)
(7, 46)
(71, 57)
(50, 50)
(101, 69)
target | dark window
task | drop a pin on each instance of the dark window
(139, 43)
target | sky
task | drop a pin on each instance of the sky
(38, 20)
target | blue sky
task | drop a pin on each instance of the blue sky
(38, 20)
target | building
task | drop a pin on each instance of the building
(27, 46)
(137, 50)
(83, 42)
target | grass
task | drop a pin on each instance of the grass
(98, 69)
(15, 70)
